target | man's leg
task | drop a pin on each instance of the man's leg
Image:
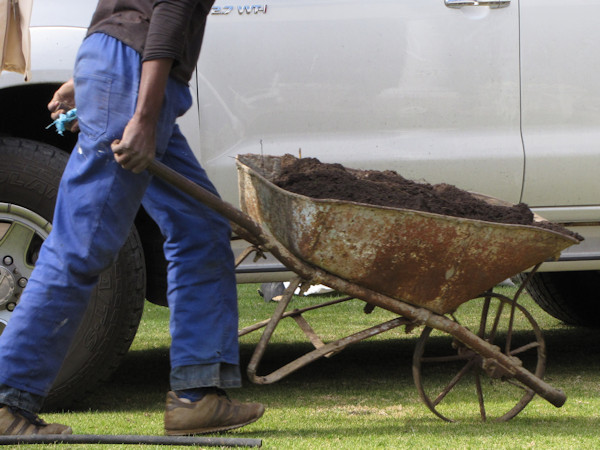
(202, 298)
(96, 206)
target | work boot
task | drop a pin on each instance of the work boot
(213, 412)
(14, 421)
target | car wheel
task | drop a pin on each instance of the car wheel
(29, 178)
(568, 296)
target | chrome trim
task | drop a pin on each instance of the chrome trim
(493, 4)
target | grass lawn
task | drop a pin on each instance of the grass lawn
(363, 397)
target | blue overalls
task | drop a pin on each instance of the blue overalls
(96, 206)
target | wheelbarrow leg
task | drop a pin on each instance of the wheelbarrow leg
(261, 347)
(321, 349)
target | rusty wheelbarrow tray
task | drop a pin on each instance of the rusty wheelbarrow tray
(418, 265)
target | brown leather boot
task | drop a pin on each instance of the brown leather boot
(214, 412)
(14, 422)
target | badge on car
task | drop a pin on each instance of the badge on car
(241, 10)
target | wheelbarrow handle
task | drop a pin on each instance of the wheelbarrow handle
(242, 223)
(211, 200)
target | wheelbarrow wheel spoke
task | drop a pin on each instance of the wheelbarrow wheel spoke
(524, 348)
(484, 317)
(517, 385)
(490, 335)
(480, 396)
(459, 376)
(438, 359)
(441, 363)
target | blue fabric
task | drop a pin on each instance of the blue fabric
(96, 206)
(224, 376)
(21, 399)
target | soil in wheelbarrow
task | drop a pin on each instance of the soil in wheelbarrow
(312, 178)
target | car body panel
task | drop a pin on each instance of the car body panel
(561, 104)
(499, 101)
(411, 86)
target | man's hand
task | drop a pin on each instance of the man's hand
(136, 149)
(63, 101)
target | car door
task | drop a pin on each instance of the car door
(429, 88)
(561, 107)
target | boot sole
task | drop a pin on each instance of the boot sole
(210, 430)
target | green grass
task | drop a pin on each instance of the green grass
(363, 397)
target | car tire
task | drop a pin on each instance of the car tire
(568, 296)
(29, 177)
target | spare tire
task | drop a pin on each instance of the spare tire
(568, 296)
(29, 178)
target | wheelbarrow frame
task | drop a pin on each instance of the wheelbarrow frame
(245, 227)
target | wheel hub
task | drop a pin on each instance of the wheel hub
(8, 284)
(21, 233)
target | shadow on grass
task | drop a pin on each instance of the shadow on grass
(572, 348)
(141, 382)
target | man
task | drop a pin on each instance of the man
(129, 86)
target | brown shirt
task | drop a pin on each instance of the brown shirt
(157, 29)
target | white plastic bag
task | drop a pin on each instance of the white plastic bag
(312, 290)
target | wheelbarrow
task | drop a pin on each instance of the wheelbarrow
(421, 266)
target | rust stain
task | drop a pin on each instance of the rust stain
(437, 262)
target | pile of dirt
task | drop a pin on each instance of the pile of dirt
(312, 178)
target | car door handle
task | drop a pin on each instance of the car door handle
(494, 4)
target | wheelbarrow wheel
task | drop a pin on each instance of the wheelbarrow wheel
(445, 370)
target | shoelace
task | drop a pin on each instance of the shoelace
(29, 416)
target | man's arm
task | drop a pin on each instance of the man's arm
(137, 147)
(167, 34)
(165, 44)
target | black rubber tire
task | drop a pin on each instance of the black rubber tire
(29, 177)
(156, 264)
(571, 297)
